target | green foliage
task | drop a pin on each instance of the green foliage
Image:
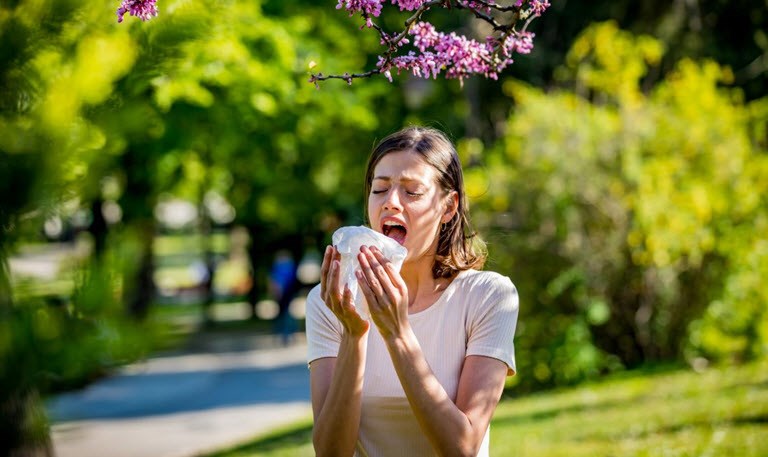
(631, 220)
(199, 99)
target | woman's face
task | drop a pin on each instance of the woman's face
(406, 203)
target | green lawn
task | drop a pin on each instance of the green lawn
(719, 412)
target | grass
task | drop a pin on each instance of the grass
(718, 412)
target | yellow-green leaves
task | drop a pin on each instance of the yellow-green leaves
(653, 195)
(611, 61)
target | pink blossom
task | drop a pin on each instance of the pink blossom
(538, 6)
(456, 56)
(367, 7)
(142, 9)
(424, 35)
(521, 43)
(408, 5)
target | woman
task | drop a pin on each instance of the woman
(424, 376)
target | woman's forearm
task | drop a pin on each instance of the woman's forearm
(336, 426)
(448, 428)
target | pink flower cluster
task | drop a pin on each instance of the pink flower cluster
(367, 7)
(521, 43)
(373, 7)
(538, 7)
(458, 55)
(142, 9)
(408, 5)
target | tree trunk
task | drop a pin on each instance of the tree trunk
(98, 229)
(260, 263)
(24, 430)
(140, 289)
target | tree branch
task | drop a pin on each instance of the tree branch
(455, 54)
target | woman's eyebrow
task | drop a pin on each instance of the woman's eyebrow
(404, 179)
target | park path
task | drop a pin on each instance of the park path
(217, 394)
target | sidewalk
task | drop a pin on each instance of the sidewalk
(224, 390)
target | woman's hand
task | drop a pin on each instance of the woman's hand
(340, 302)
(385, 291)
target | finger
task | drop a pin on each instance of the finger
(369, 294)
(348, 301)
(354, 321)
(381, 275)
(331, 296)
(368, 274)
(334, 282)
(324, 272)
(391, 271)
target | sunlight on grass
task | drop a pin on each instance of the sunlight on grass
(719, 412)
(291, 441)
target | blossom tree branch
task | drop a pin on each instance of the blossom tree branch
(432, 52)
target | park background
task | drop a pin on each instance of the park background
(617, 173)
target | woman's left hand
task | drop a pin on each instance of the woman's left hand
(385, 291)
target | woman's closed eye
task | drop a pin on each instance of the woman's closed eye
(410, 193)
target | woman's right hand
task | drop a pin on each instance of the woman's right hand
(340, 301)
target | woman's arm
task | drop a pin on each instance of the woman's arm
(337, 382)
(337, 386)
(452, 428)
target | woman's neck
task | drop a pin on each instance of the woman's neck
(421, 282)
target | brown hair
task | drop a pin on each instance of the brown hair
(458, 246)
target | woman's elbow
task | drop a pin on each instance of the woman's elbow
(468, 450)
(466, 446)
(330, 448)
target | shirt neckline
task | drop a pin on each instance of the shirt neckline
(443, 296)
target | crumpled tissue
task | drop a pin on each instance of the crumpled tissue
(348, 241)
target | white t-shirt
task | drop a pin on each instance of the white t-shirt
(475, 315)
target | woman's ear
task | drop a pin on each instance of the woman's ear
(451, 206)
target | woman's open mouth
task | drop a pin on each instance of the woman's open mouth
(395, 231)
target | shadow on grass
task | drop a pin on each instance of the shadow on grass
(547, 414)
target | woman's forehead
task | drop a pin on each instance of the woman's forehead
(404, 166)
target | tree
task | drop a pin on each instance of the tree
(642, 211)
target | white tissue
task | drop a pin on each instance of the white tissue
(348, 241)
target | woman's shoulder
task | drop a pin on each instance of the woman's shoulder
(314, 293)
(485, 280)
(485, 292)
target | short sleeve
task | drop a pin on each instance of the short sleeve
(323, 329)
(493, 320)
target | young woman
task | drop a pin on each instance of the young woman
(425, 374)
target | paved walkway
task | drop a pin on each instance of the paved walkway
(221, 393)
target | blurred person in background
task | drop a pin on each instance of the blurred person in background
(283, 286)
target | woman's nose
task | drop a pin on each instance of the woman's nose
(393, 200)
